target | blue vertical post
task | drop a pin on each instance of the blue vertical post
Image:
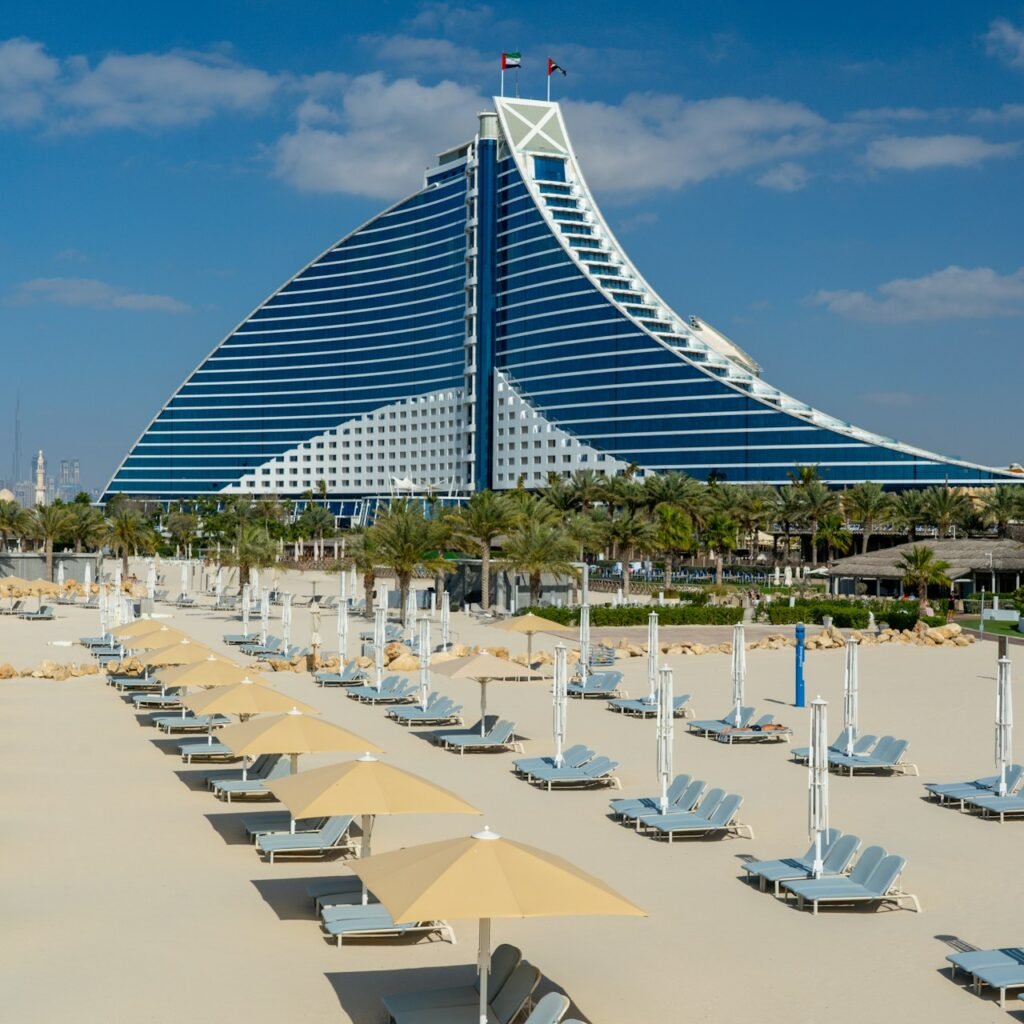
(800, 699)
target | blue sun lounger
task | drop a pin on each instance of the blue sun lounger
(720, 822)
(837, 853)
(957, 792)
(352, 674)
(268, 823)
(764, 730)
(226, 789)
(205, 750)
(887, 756)
(880, 886)
(501, 736)
(444, 711)
(683, 795)
(508, 1004)
(333, 836)
(504, 960)
(598, 684)
(388, 685)
(643, 707)
(861, 745)
(710, 726)
(237, 639)
(168, 699)
(271, 648)
(259, 769)
(190, 722)
(573, 757)
(373, 920)
(598, 772)
(989, 806)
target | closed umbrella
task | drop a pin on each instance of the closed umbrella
(652, 657)
(585, 583)
(528, 624)
(1004, 721)
(151, 581)
(218, 584)
(60, 574)
(484, 876)
(560, 701)
(293, 733)
(254, 583)
(584, 642)
(264, 617)
(424, 646)
(88, 580)
(851, 694)
(484, 668)
(342, 630)
(379, 631)
(739, 670)
(817, 803)
(446, 621)
(410, 609)
(104, 610)
(665, 735)
(315, 640)
(286, 624)
(367, 787)
(245, 611)
(184, 578)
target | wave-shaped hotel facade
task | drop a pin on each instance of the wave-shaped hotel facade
(489, 329)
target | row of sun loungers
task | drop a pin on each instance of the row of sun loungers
(732, 727)
(501, 736)
(1000, 969)
(982, 795)
(602, 685)
(439, 711)
(887, 755)
(351, 675)
(644, 707)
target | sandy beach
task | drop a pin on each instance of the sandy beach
(131, 894)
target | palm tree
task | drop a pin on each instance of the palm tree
(791, 512)
(832, 532)
(588, 531)
(14, 521)
(85, 527)
(182, 527)
(757, 508)
(315, 521)
(559, 494)
(49, 524)
(719, 536)
(478, 524)
(908, 511)
(920, 568)
(536, 548)
(673, 535)
(587, 488)
(1001, 506)
(631, 532)
(817, 501)
(252, 549)
(804, 475)
(866, 504)
(270, 511)
(623, 492)
(364, 553)
(407, 540)
(128, 532)
(946, 507)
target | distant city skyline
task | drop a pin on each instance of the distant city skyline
(841, 201)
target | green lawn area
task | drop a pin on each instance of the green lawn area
(997, 628)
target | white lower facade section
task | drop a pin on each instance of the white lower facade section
(416, 445)
(527, 446)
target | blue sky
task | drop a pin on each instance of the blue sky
(840, 194)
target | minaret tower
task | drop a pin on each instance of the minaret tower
(40, 479)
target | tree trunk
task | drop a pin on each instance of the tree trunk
(535, 588)
(625, 577)
(485, 575)
(369, 578)
(718, 569)
(404, 583)
(243, 576)
(814, 542)
(124, 562)
(78, 545)
(865, 537)
(49, 559)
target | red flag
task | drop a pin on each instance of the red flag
(553, 67)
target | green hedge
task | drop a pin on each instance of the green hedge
(674, 615)
(845, 614)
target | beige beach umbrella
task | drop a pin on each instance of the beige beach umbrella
(292, 733)
(163, 636)
(528, 624)
(212, 671)
(244, 698)
(484, 668)
(184, 652)
(485, 876)
(140, 627)
(366, 787)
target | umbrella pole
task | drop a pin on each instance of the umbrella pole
(484, 964)
(364, 848)
(529, 650)
(483, 707)
(294, 764)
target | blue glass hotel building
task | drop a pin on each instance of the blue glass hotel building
(489, 329)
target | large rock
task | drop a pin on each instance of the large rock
(8, 671)
(404, 663)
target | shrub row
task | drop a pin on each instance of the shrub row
(845, 615)
(674, 615)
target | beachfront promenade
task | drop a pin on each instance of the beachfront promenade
(130, 894)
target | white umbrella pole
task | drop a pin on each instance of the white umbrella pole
(184, 578)
(379, 632)
(264, 617)
(666, 730)
(584, 641)
(483, 707)
(739, 669)
(1004, 722)
(424, 642)
(818, 781)
(560, 700)
(446, 621)
(851, 695)
(652, 657)
(245, 610)
(484, 964)
(364, 848)
(342, 632)
(88, 582)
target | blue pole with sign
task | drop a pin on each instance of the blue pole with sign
(800, 698)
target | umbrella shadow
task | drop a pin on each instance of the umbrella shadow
(168, 747)
(194, 780)
(229, 828)
(287, 897)
(360, 992)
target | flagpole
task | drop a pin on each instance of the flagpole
(549, 86)
(503, 82)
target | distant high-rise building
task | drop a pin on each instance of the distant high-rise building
(40, 495)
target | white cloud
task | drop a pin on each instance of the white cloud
(388, 133)
(140, 91)
(83, 291)
(786, 177)
(27, 72)
(873, 114)
(1004, 114)
(431, 56)
(1005, 41)
(920, 152)
(654, 141)
(956, 292)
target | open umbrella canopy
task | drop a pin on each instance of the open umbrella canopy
(40, 587)
(291, 733)
(162, 636)
(364, 786)
(138, 628)
(528, 623)
(485, 876)
(213, 670)
(245, 697)
(184, 652)
(484, 666)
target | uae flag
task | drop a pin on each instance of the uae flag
(511, 60)
(553, 67)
